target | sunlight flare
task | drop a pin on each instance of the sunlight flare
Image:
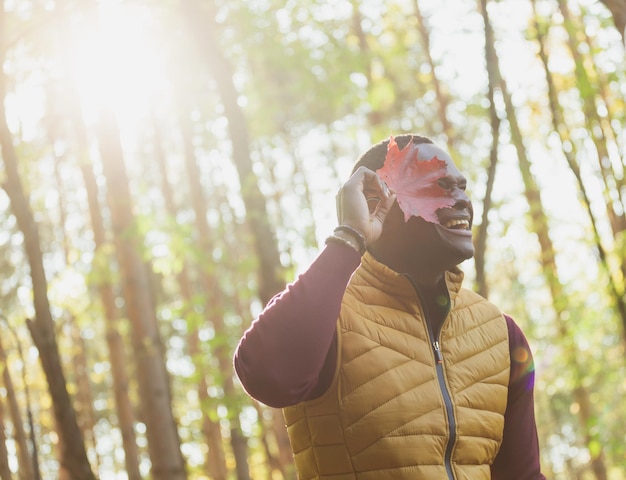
(117, 63)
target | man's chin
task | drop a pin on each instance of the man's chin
(458, 242)
(467, 255)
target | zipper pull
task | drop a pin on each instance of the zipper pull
(438, 355)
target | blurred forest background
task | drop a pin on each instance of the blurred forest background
(167, 166)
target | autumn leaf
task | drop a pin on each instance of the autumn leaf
(415, 181)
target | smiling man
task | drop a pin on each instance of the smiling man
(385, 366)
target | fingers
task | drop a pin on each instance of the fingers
(359, 196)
(363, 203)
(373, 203)
(373, 185)
(383, 208)
(375, 190)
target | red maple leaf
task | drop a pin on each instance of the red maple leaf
(415, 181)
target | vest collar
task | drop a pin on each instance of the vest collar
(380, 276)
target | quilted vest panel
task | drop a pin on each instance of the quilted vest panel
(384, 415)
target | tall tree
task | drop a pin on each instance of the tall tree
(70, 109)
(79, 375)
(25, 461)
(481, 235)
(540, 226)
(5, 470)
(611, 167)
(618, 10)
(117, 352)
(152, 376)
(612, 173)
(270, 420)
(570, 151)
(74, 456)
(204, 29)
(376, 116)
(386, 88)
(442, 99)
(216, 459)
(270, 271)
(214, 297)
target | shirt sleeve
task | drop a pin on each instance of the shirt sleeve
(518, 458)
(285, 356)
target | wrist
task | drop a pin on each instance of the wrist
(345, 234)
(343, 240)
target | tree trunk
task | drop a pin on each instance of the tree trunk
(539, 224)
(271, 274)
(270, 270)
(283, 460)
(25, 462)
(83, 399)
(559, 126)
(115, 344)
(284, 446)
(74, 458)
(442, 100)
(482, 231)
(375, 117)
(604, 134)
(614, 182)
(153, 379)
(42, 327)
(5, 471)
(116, 349)
(214, 304)
(216, 459)
(307, 236)
(618, 10)
(264, 436)
(117, 352)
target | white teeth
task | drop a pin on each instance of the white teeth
(455, 223)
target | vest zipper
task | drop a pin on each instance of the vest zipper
(437, 350)
(447, 399)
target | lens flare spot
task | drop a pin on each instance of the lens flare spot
(521, 355)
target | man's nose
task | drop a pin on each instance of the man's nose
(461, 199)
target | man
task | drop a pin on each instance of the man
(387, 368)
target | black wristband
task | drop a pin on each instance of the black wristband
(343, 241)
(356, 234)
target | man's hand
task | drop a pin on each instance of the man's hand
(363, 203)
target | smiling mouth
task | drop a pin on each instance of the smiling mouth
(457, 224)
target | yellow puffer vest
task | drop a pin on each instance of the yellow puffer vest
(393, 412)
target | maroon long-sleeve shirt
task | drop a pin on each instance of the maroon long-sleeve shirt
(285, 357)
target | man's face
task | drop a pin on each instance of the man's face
(448, 242)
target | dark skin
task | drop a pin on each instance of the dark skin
(422, 250)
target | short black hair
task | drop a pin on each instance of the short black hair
(374, 158)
